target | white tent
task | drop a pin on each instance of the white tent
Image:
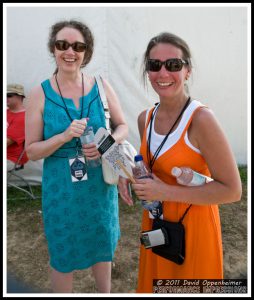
(216, 34)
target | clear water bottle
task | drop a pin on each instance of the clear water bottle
(140, 171)
(86, 138)
(186, 176)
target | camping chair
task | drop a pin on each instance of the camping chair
(13, 173)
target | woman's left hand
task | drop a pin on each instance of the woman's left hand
(90, 151)
(123, 188)
(149, 189)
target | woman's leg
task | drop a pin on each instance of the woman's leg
(102, 275)
(61, 282)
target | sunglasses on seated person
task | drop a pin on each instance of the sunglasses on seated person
(64, 45)
(171, 65)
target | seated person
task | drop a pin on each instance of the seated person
(15, 125)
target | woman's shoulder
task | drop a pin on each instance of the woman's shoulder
(202, 115)
(38, 91)
(142, 116)
(35, 91)
(36, 96)
(107, 86)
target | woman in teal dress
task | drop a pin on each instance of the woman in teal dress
(80, 214)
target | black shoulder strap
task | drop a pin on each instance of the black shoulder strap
(187, 209)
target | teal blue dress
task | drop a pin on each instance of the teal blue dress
(81, 219)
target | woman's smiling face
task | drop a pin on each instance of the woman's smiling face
(69, 60)
(164, 82)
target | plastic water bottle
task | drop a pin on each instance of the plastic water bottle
(87, 138)
(186, 176)
(140, 171)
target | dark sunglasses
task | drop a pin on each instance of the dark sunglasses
(171, 65)
(10, 95)
(64, 45)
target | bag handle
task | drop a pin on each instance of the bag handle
(104, 101)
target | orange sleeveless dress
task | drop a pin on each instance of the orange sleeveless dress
(203, 241)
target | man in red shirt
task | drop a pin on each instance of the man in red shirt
(15, 125)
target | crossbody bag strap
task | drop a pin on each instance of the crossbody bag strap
(187, 209)
(104, 101)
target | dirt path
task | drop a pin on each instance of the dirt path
(27, 254)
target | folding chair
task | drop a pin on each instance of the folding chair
(13, 174)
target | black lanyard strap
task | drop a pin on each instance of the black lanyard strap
(151, 161)
(66, 109)
(181, 219)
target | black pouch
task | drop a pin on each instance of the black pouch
(174, 250)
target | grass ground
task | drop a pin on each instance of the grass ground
(27, 255)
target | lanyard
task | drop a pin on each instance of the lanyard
(151, 161)
(66, 109)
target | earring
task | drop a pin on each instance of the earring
(187, 76)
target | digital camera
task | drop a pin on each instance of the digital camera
(153, 238)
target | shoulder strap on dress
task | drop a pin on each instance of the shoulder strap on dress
(43, 88)
(149, 113)
(197, 108)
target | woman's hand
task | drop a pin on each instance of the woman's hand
(149, 189)
(123, 188)
(76, 129)
(90, 151)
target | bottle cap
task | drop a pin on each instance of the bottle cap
(85, 120)
(176, 171)
(138, 157)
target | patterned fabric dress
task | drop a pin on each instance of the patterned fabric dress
(80, 218)
(203, 252)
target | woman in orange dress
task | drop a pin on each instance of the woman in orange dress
(180, 131)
